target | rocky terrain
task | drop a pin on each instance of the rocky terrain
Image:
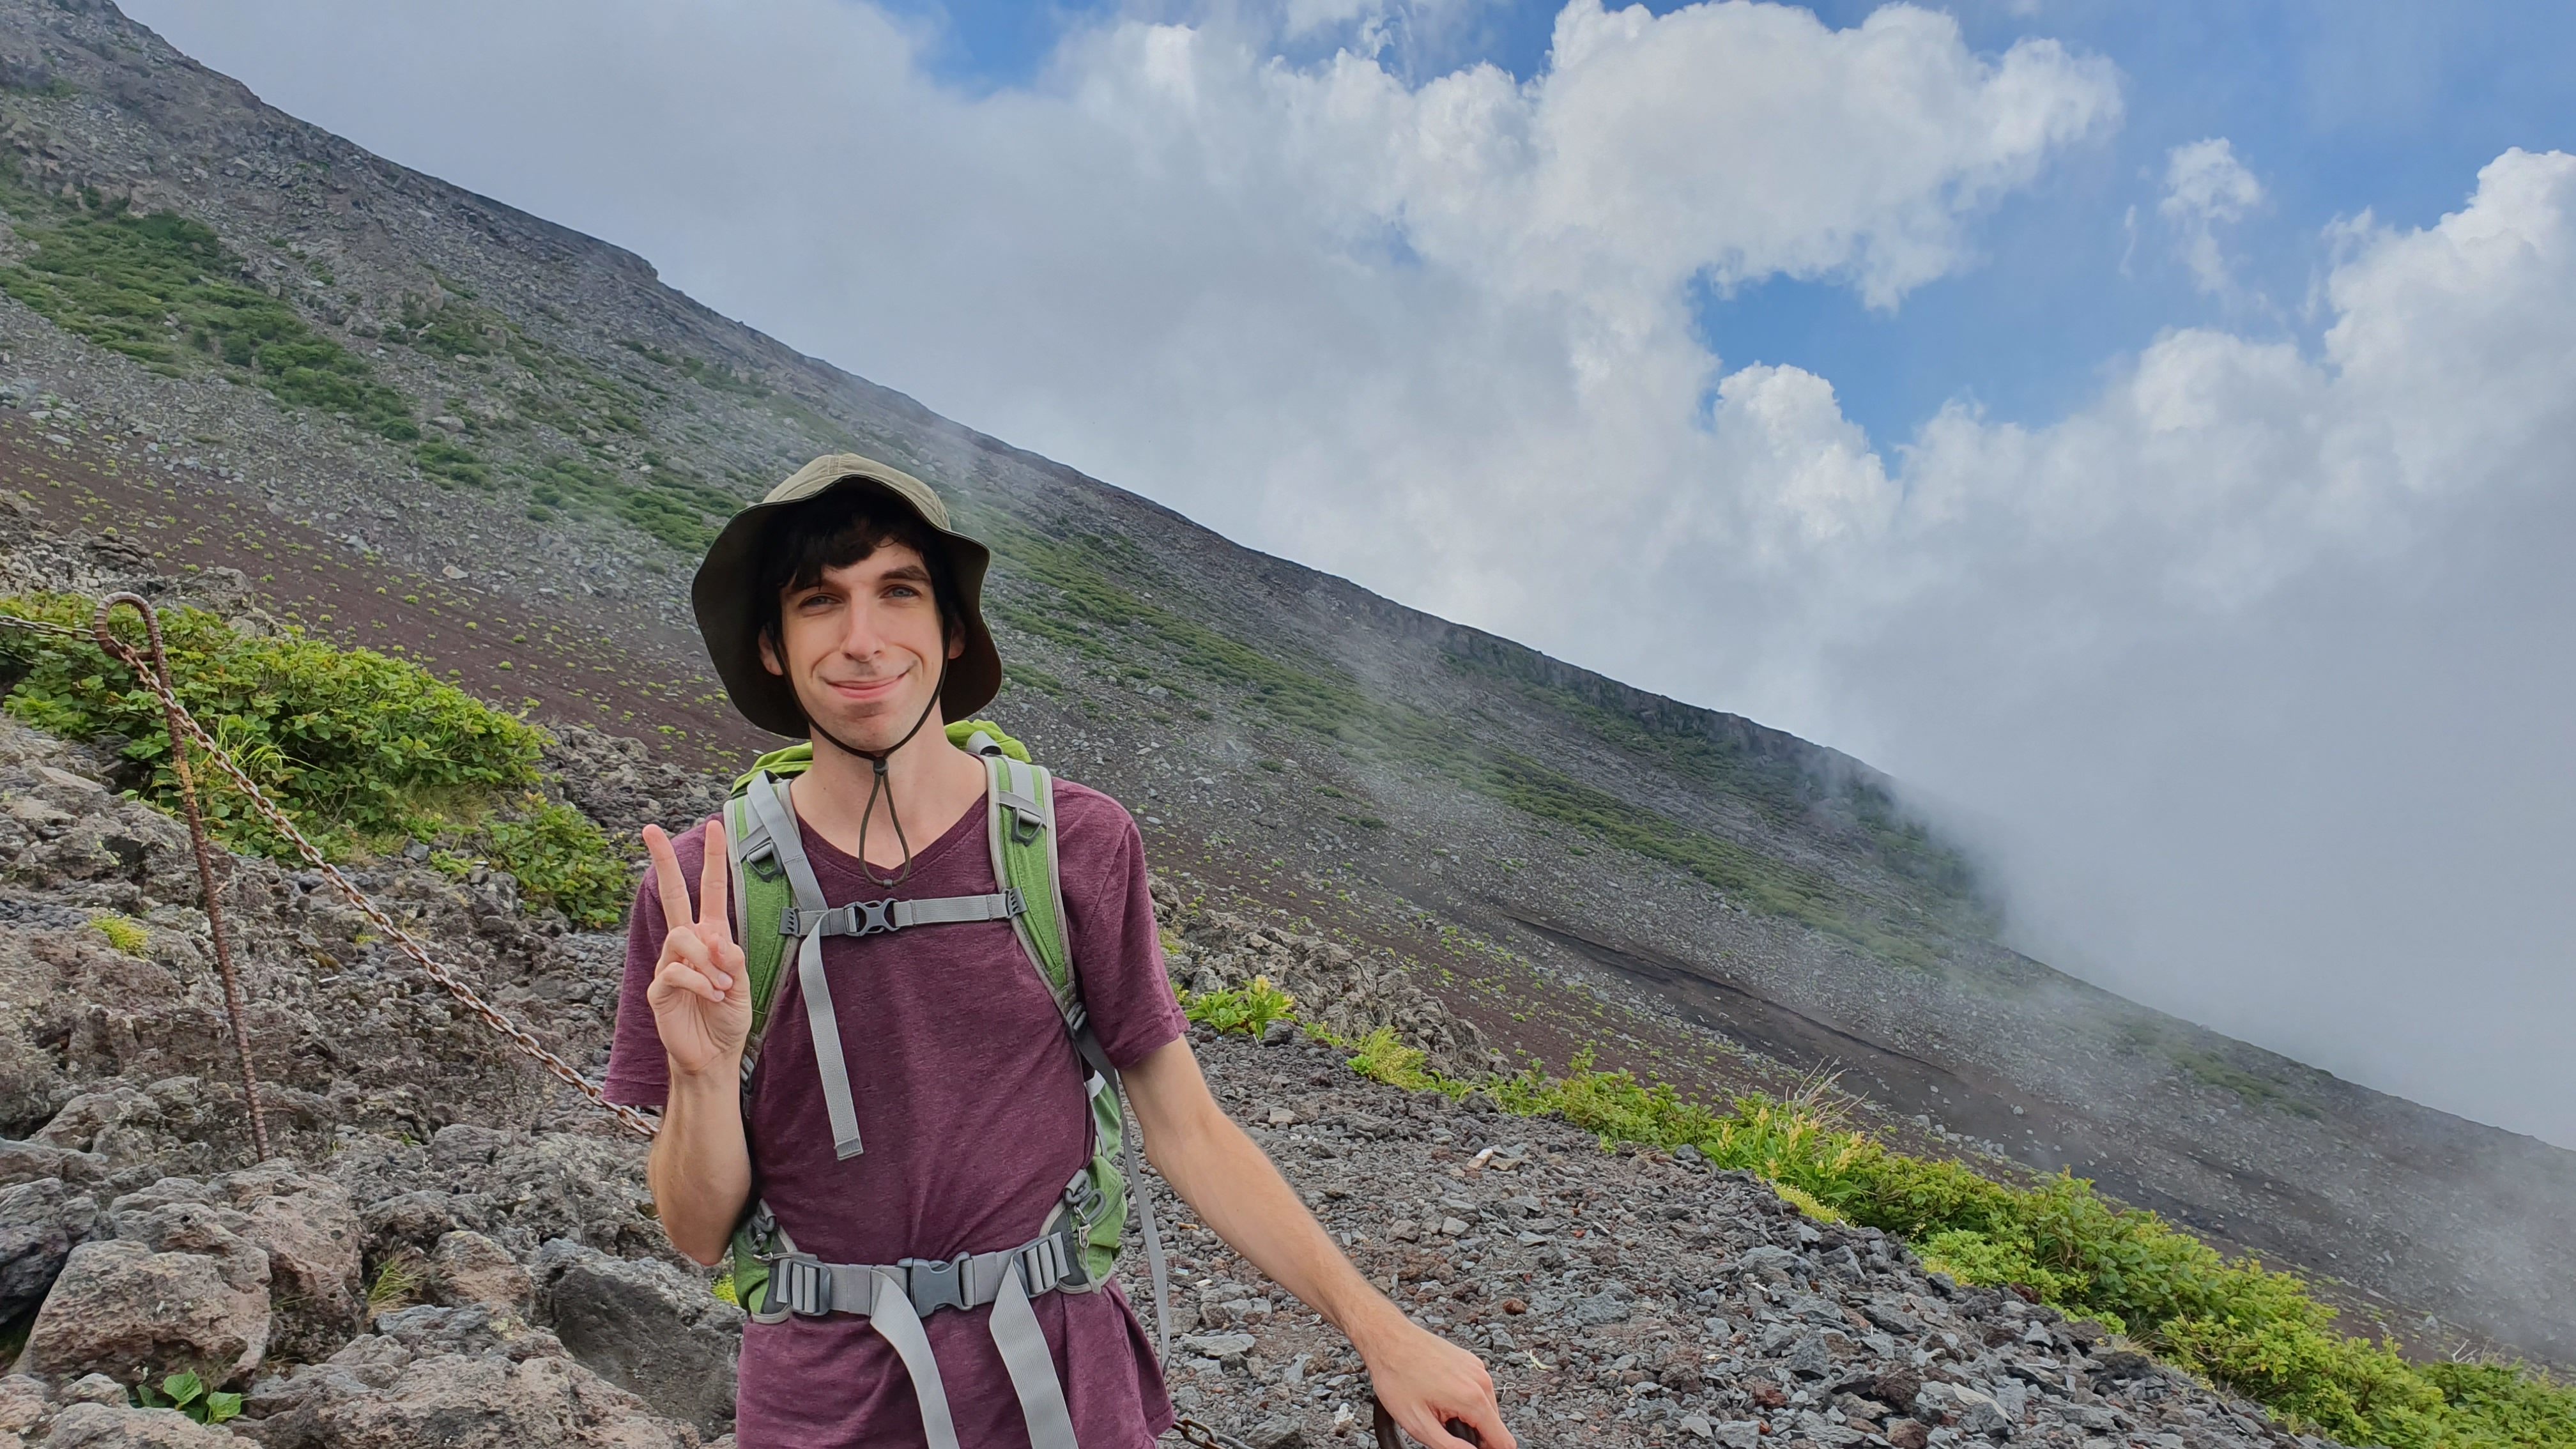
(449, 1248)
(494, 444)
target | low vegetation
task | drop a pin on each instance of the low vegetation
(667, 503)
(123, 932)
(168, 293)
(2233, 1323)
(1248, 1009)
(365, 753)
(186, 1393)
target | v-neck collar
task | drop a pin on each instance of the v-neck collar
(823, 853)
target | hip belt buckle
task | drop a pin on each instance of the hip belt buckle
(935, 1283)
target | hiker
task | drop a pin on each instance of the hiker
(896, 1004)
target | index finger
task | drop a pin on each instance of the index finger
(667, 877)
(715, 878)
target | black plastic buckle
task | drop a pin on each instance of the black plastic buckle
(874, 917)
(934, 1283)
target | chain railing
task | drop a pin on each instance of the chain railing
(185, 731)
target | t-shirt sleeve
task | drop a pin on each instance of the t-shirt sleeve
(1117, 948)
(639, 1074)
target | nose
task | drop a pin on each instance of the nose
(860, 636)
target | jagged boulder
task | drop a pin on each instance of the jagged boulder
(468, 1267)
(306, 1226)
(24, 1403)
(517, 1188)
(109, 1426)
(23, 1162)
(40, 1223)
(458, 1378)
(645, 1326)
(192, 1296)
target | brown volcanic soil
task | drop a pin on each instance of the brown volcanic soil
(560, 667)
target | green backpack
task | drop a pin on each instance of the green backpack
(778, 901)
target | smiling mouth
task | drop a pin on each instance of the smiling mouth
(864, 690)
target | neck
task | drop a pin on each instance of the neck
(929, 783)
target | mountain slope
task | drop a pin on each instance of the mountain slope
(286, 355)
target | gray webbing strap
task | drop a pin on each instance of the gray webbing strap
(869, 918)
(1143, 1198)
(945, 910)
(890, 1314)
(1024, 1353)
(896, 1296)
(777, 815)
(1015, 785)
(1104, 1076)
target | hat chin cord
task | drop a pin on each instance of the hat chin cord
(878, 784)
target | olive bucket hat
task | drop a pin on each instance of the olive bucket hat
(729, 618)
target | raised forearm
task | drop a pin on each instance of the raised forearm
(700, 1169)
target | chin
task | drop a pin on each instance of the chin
(870, 727)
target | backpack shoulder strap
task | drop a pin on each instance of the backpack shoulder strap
(770, 841)
(1022, 828)
(761, 891)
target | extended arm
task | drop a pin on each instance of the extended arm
(1423, 1380)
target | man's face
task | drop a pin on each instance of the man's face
(862, 647)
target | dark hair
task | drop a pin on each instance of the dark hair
(837, 530)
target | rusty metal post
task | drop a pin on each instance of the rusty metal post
(160, 683)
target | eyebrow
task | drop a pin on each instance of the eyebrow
(907, 572)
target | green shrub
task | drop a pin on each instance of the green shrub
(668, 503)
(1384, 1057)
(360, 751)
(563, 860)
(452, 463)
(1249, 1008)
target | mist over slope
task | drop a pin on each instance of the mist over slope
(328, 369)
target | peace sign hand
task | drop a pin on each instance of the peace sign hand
(701, 996)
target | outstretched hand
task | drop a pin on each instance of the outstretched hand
(701, 997)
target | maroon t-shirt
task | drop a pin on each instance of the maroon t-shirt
(971, 1105)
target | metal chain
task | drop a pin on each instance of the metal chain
(1205, 1437)
(277, 819)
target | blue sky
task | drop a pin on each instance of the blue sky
(2340, 105)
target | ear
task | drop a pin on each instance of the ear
(957, 645)
(769, 655)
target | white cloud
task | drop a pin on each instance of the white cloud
(2206, 188)
(2253, 667)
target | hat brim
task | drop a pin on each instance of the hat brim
(729, 618)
